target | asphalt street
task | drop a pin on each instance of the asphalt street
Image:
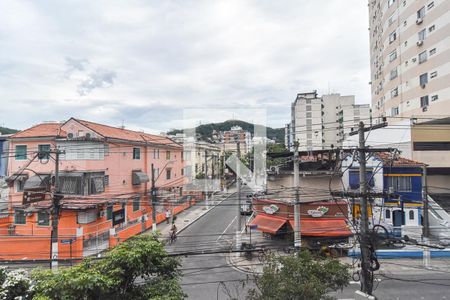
(209, 276)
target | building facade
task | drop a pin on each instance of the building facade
(234, 135)
(410, 58)
(319, 123)
(104, 176)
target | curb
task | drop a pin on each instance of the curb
(204, 213)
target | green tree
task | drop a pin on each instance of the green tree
(299, 276)
(139, 268)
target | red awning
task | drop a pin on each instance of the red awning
(323, 227)
(268, 224)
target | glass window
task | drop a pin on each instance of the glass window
(392, 55)
(423, 101)
(390, 2)
(388, 214)
(109, 211)
(392, 37)
(44, 151)
(136, 153)
(423, 79)
(96, 184)
(21, 152)
(432, 28)
(43, 218)
(421, 13)
(394, 92)
(432, 51)
(411, 215)
(394, 111)
(422, 34)
(20, 217)
(354, 179)
(423, 57)
(168, 173)
(400, 183)
(136, 203)
(167, 154)
(393, 74)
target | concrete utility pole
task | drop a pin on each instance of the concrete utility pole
(426, 220)
(297, 227)
(56, 205)
(366, 278)
(238, 182)
(206, 179)
(153, 198)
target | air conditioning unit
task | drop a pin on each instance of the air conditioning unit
(425, 108)
(419, 21)
(419, 43)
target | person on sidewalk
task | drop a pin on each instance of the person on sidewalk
(168, 216)
(173, 233)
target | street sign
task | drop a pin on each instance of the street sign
(33, 195)
(118, 217)
(253, 226)
(68, 241)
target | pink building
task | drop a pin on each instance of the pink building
(105, 177)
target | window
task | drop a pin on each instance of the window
(136, 203)
(109, 211)
(392, 37)
(20, 183)
(96, 184)
(393, 74)
(423, 101)
(168, 173)
(167, 154)
(394, 92)
(422, 57)
(423, 79)
(182, 171)
(308, 107)
(43, 218)
(394, 111)
(308, 101)
(432, 28)
(421, 13)
(390, 2)
(422, 35)
(136, 153)
(21, 152)
(354, 179)
(430, 5)
(391, 19)
(71, 185)
(433, 74)
(432, 51)
(411, 215)
(43, 151)
(392, 55)
(20, 217)
(434, 97)
(156, 153)
(388, 214)
(400, 183)
(106, 180)
(86, 217)
(309, 114)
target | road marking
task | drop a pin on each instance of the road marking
(226, 229)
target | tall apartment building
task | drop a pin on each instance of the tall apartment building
(322, 122)
(410, 58)
(236, 133)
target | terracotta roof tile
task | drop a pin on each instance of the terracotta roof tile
(126, 134)
(42, 130)
(398, 161)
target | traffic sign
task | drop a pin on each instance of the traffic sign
(68, 241)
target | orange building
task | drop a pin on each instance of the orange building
(105, 178)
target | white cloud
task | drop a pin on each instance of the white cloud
(144, 61)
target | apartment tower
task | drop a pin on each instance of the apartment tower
(410, 58)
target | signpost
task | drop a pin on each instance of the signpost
(252, 226)
(33, 195)
(69, 241)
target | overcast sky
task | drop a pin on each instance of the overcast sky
(142, 62)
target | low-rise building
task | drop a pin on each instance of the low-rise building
(105, 177)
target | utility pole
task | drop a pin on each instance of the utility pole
(426, 221)
(297, 226)
(238, 182)
(206, 179)
(56, 205)
(153, 198)
(366, 278)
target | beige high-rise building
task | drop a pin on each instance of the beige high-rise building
(410, 58)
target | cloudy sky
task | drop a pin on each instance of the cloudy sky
(143, 62)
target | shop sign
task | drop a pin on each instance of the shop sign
(33, 195)
(318, 212)
(271, 209)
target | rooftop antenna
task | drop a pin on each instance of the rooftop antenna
(123, 124)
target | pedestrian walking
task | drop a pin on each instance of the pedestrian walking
(168, 216)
